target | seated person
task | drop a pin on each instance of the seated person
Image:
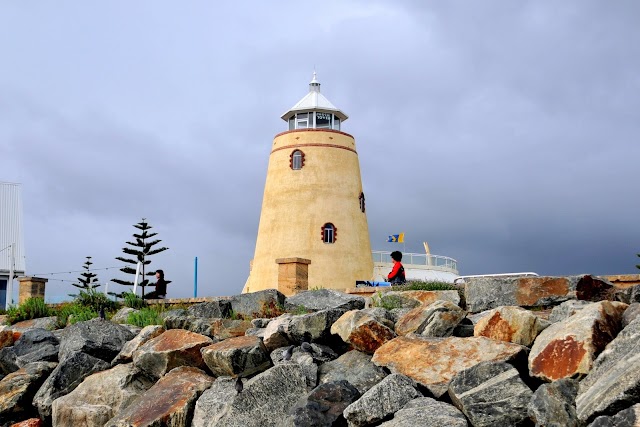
(396, 277)
(161, 287)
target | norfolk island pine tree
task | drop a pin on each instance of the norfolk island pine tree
(87, 280)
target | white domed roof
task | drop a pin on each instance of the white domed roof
(314, 101)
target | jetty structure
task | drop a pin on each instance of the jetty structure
(313, 230)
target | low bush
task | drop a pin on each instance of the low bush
(73, 312)
(95, 300)
(132, 300)
(144, 317)
(420, 285)
(32, 308)
(388, 302)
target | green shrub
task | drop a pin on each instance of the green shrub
(419, 285)
(94, 300)
(144, 317)
(73, 312)
(32, 308)
(133, 301)
(388, 302)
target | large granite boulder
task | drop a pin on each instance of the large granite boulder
(484, 293)
(169, 350)
(433, 362)
(316, 325)
(436, 319)
(147, 333)
(222, 329)
(69, 373)
(274, 333)
(323, 406)
(382, 315)
(425, 411)
(265, 400)
(567, 309)
(257, 304)
(98, 338)
(243, 356)
(630, 314)
(511, 324)
(34, 345)
(323, 299)
(554, 404)
(355, 367)
(382, 400)
(413, 299)
(18, 388)
(362, 331)
(90, 406)
(169, 402)
(49, 323)
(179, 319)
(218, 309)
(491, 394)
(614, 380)
(568, 348)
(629, 417)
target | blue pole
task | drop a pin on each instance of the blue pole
(195, 279)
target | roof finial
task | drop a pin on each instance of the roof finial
(315, 84)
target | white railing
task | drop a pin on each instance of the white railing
(436, 261)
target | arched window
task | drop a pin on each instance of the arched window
(329, 233)
(296, 160)
(361, 199)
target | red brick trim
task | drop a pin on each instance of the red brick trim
(288, 147)
(314, 130)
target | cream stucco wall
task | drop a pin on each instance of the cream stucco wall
(297, 203)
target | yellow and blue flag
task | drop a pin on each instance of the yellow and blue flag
(396, 238)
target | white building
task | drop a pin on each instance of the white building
(11, 236)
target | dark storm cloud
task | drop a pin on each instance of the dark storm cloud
(503, 133)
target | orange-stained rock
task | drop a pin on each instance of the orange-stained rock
(31, 422)
(229, 328)
(511, 324)
(242, 356)
(362, 331)
(569, 347)
(433, 362)
(173, 348)
(446, 313)
(169, 402)
(6, 338)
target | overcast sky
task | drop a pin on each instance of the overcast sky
(503, 133)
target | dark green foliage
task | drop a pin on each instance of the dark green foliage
(32, 308)
(88, 279)
(144, 317)
(74, 312)
(94, 300)
(419, 285)
(133, 301)
(139, 251)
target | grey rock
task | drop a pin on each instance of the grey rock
(381, 400)
(147, 333)
(122, 315)
(211, 309)
(96, 337)
(382, 315)
(242, 356)
(630, 314)
(464, 329)
(256, 304)
(260, 322)
(397, 313)
(34, 345)
(179, 319)
(255, 332)
(566, 310)
(17, 389)
(69, 373)
(491, 394)
(323, 299)
(323, 406)
(265, 400)
(614, 380)
(629, 417)
(355, 367)
(634, 294)
(317, 325)
(554, 404)
(89, 406)
(274, 335)
(49, 323)
(425, 411)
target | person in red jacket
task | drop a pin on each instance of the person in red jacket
(397, 276)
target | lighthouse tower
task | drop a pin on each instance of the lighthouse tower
(313, 210)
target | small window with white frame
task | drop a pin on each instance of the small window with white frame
(329, 232)
(296, 160)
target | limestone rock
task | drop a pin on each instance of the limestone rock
(433, 362)
(491, 394)
(568, 348)
(218, 309)
(484, 293)
(244, 356)
(229, 328)
(425, 411)
(69, 373)
(274, 335)
(362, 331)
(382, 400)
(49, 323)
(614, 380)
(257, 304)
(317, 325)
(98, 338)
(147, 333)
(630, 314)
(566, 310)
(323, 406)
(17, 389)
(265, 400)
(436, 319)
(122, 315)
(169, 402)
(554, 404)
(511, 324)
(355, 367)
(323, 299)
(169, 350)
(90, 406)
(630, 417)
